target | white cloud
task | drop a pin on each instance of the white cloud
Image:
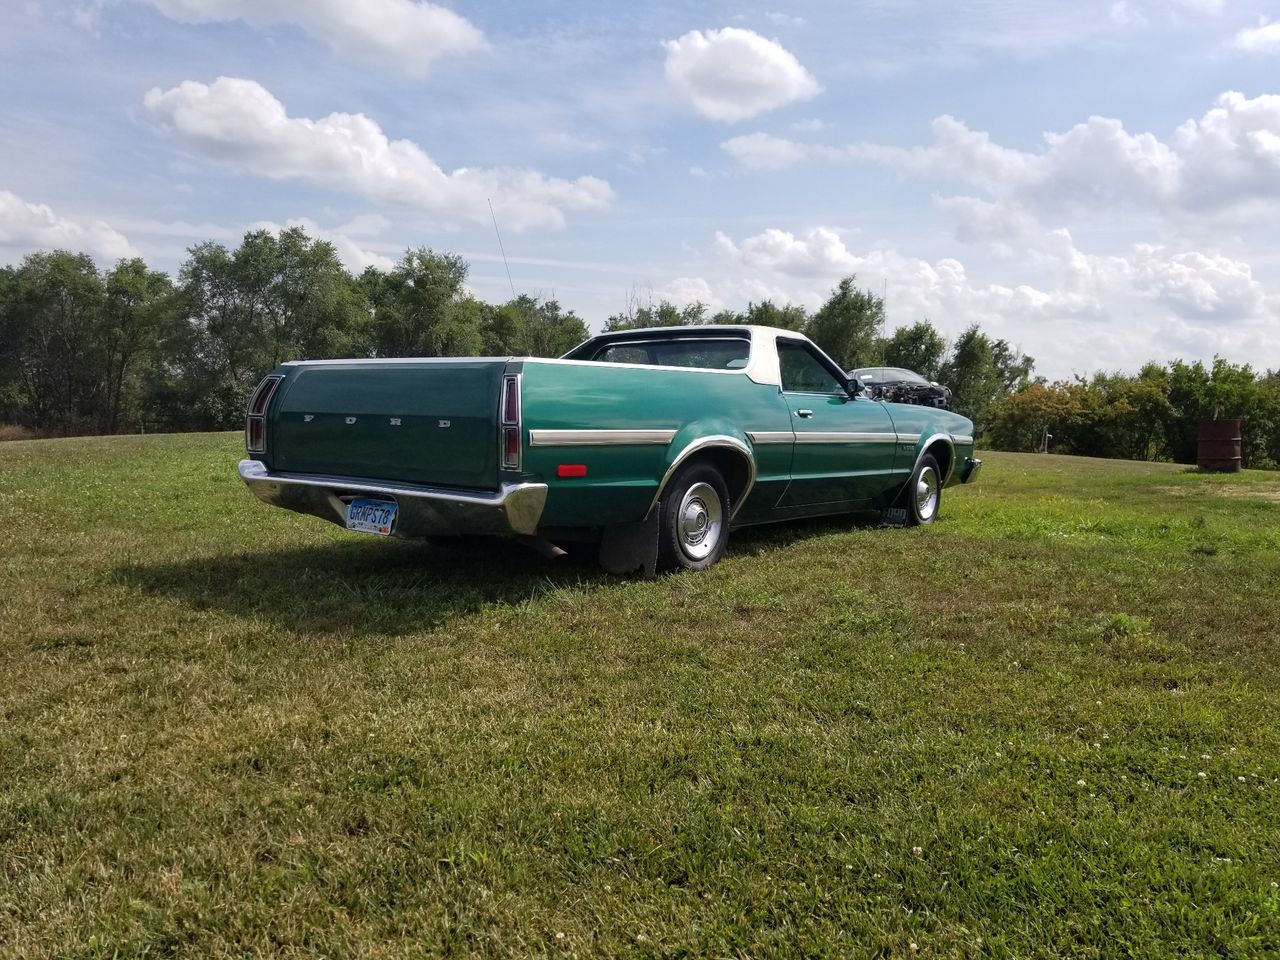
(1193, 284)
(1264, 38)
(1198, 284)
(1226, 160)
(239, 122)
(1074, 310)
(1231, 155)
(763, 151)
(1002, 225)
(34, 226)
(735, 74)
(819, 253)
(803, 269)
(407, 33)
(684, 291)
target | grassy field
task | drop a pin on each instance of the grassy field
(1049, 725)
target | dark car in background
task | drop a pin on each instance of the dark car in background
(899, 385)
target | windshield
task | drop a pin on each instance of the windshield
(887, 375)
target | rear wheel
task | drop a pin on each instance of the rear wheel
(923, 496)
(693, 517)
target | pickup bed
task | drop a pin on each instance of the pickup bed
(653, 442)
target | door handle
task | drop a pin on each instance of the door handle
(804, 413)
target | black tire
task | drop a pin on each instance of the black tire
(922, 497)
(693, 519)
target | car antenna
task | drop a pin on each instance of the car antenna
(498, 234)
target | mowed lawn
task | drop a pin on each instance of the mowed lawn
(1048, 725)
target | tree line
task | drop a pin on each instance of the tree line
(1153, 415)
(129, 349)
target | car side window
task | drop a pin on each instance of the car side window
(624, 353)
(724, 353)
(802, 372)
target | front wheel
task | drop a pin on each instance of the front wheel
(693, 518)
(923, 496)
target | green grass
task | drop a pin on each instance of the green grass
(1048, 725)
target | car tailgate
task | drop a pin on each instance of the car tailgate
(431, 422)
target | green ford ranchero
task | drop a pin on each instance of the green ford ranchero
(653, 443)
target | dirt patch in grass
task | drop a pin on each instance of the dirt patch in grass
(1232, 491)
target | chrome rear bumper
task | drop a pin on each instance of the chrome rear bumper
(515, 508)
(969, 472)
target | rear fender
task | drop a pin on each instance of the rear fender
(721, 443)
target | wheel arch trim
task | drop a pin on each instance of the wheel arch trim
(702, 445)
(931, 441)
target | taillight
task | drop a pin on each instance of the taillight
(256, 435)
(255, 428)
(511, 448)
(511, 401)
(262, 396)
(510, 414)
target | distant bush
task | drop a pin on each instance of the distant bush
(1154, 415)
(13, 432)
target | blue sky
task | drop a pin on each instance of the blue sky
(1098, 182)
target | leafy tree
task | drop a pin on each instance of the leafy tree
(537, 328)
(768, 314)
(274, 298)
(980, 371)
(662, 314)
(52, 349)
(847, 327)
(421, 307)
(1019, 420)
(727, 318)
(12, 328)
(919, 347)
(141, 309)
(971, 373)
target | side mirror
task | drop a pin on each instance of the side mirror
(854, 388)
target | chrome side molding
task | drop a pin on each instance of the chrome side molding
(600, 438)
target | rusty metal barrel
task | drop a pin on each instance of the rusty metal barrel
(1220, 446)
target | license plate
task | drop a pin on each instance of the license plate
(372, 516)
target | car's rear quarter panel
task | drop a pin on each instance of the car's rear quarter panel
(622, 479)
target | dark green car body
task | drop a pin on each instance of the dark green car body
(589, 443)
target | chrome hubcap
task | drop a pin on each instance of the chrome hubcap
(927, 494)
(700, 522)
